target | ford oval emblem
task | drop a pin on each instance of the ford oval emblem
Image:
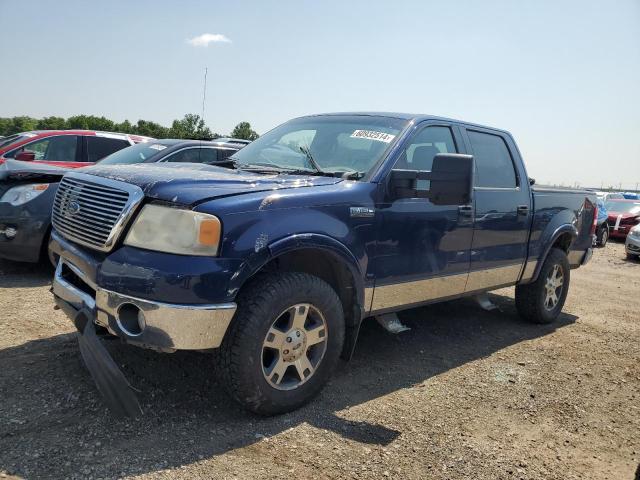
(73, 208)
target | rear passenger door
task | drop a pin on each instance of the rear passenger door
(502, 210)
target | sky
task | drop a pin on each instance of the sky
(562, 76)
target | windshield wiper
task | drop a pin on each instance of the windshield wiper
(312, 160)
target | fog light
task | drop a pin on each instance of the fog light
(130, 319)
(9, 232)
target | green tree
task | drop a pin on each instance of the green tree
(243, 130)
(150, 129)
(5, 126)
(124, 127)
(51, 123)
(191, 126)
(20, 124)
(89, 122)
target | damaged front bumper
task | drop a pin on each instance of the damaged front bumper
(150, 324)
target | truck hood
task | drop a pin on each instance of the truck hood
(193, 183)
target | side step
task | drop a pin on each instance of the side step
(391, 323)
(485, 303)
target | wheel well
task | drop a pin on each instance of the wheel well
(563, 242)
(328, 267)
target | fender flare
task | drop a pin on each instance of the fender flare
(302, 241)
(549, 241)
(328, 244)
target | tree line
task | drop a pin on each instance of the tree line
(190, 126)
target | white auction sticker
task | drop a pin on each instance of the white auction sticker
(157, 147)
(373, 135)
(618, 222)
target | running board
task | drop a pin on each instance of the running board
(485, 303)
(391, 323)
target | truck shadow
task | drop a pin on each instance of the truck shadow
(53, 423)
(24, 275)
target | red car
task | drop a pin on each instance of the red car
(623, 216)
(65, 148)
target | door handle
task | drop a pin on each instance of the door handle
(523, 210)
(465, 210)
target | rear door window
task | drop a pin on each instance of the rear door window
(494, 165)
(100, 147)
(208, 155)
(188, 155)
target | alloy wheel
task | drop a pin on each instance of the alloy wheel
(553, 287)
(294, 346)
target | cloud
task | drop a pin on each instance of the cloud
(206, 38)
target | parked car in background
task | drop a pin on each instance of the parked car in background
(602, 229)
(606, 196)
(631, 196)
(623, 215)
(182, 151)
(317, 224)
(27, 189)
(632, 243)
(65, 148)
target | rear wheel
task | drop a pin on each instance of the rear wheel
(283, 342)
(603, 236)
(542, 300)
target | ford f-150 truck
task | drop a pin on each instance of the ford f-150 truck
(273, 261)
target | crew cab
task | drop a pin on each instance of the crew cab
(65, 148)
(326, 220)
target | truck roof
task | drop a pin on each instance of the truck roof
(416, 117)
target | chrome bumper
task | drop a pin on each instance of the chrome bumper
(146, 323)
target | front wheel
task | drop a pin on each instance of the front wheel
(283, 343)
(542, 300)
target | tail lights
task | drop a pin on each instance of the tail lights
(594, 225)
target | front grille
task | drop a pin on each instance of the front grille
(90, 212)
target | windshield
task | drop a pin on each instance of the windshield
(326, 144)
(623, 207)
(135, 154)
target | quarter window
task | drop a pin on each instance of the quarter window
(494, 166)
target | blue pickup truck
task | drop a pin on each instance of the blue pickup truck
(272, 261)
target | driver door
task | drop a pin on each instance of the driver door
(422, 250)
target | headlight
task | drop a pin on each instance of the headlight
(635, 232)
(23, 193)
(174, 230)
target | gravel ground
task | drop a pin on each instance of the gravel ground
(464, 394)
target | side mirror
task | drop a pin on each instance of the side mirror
(25, 156)
(448, 183)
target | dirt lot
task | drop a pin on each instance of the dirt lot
(464, 394)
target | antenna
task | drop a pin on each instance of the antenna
(204, 92)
